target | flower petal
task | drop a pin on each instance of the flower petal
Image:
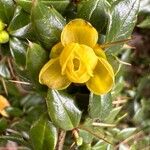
(79, 31)
(56, 50)
(3, 104)
(99, 51)
(103, 78)
(50, 75)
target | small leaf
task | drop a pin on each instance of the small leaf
(112, 115)
(7, 8)
(96, 12)
(3, 125)
(14, 111)
(36, 57)
(125, 133)
(145, 23)
(122, 22)
(59, 5)
(62, 110)
(4, 71)
(18, 51)
(100, 106)
(20, 24)
(48, 24)
(43, 135)
(18, 140)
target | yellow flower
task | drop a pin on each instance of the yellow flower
(3, 104)
(78, 59)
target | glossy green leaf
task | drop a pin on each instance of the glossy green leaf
(20, 24)
(97, 12)
(36, 57)
(4, 71)
(47, 23)
(145, 23)
(62, 110)
(125, 133)
(59, 5)
(123, 19)
(100, 106)
(7, 8)
(43, 135)
(18, 51)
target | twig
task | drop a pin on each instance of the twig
(4, 85)
(61, 140)
(98, 124)
(20, 82)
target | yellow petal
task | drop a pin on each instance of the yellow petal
(99, 51)
(56, 50)
(103, 78)
(79, 31)
(3, 104)
(50, 75)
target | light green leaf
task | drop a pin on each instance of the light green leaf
(100, 106)
(145, 23)
(123, 19)
(47, 23)
(36, 57)
(7, 8)
(59, 5)
(125, 133)
(43, 135)
(4, 71)
(112, 115)
(18, 51)
(20, 24)
(97, 12)
(62, 110)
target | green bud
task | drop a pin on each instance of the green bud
(2, 25)
(4, 37)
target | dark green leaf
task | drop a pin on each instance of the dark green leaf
(97, 12)
(36, 57)
(48, 24)
(18, 51)
(4, 71)
(59, 5)
(20, 24)
(14, 111)
(100, 106)
(43, 135)
(3, 124)
(62, 110)
(7, 8)
(122, 22)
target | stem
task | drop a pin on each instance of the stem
(61, 140)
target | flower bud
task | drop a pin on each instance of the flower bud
(2, 25)
(4, 37)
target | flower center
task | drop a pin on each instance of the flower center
(76, 63)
